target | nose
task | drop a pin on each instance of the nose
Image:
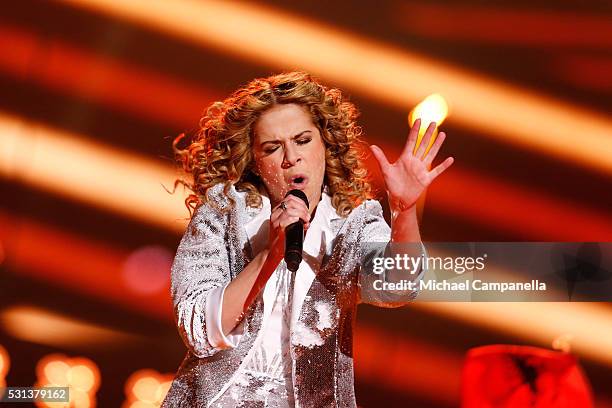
(291, 157)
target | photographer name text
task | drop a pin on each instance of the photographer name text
(466, 285)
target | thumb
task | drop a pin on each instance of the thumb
(380, 157)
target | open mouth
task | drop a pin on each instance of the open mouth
(298, 181)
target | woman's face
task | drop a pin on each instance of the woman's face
(289, 153)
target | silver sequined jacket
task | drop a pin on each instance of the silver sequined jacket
(215, 248)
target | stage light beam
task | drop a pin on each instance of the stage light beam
(382, 71)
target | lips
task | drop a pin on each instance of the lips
(298, 181)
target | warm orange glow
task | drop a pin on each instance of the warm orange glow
(5, 363)
(137, 90)
(47, 253)
(96, 174)
(55, 371)
(431, 109)
(380, 71)
(2, 256)
(146, 388)
(433, 373)
(501, 25)
(142, 197)
(524, 212)
(586, 71)
(539, 323)
(36, 325)
(78, 399)
(82, 377)
(140, 404)
(540, 215)
(407, 365)
(80, 374)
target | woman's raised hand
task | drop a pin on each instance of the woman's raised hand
(407, 178)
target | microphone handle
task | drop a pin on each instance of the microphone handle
(294, 240)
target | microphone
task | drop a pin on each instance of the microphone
(294, 237)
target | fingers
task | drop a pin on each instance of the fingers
(380, 157)
(441, 167)
(295, 210)
(384, 164)
(292, 201)
(431, 155)
(413, 135)
(281, 218)
(425, 141)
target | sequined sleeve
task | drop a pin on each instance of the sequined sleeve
(201, 264)
(375, 236)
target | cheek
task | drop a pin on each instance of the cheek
(269, 171)
(320, 160)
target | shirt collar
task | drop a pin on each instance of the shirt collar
(257, 224)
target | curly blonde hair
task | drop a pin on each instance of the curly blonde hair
(221, 151)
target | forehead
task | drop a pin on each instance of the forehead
(282, 121)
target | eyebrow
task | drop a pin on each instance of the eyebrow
(293, 137)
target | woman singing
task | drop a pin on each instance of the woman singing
(259, 335)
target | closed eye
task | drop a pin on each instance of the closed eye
(270, 151)
(303, 141)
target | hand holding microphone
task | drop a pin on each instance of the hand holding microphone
(288, 221)
(290, 218)
(294, 236)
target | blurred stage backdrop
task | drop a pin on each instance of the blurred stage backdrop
(92, 92)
